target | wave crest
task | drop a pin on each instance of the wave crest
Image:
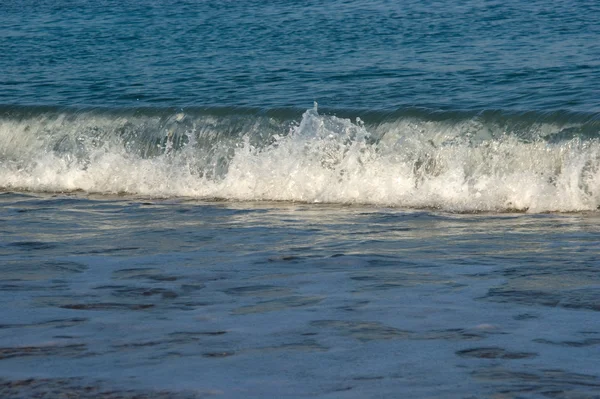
(461, 164)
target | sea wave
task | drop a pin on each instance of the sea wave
(455, 161)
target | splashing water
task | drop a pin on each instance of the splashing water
(459, 164)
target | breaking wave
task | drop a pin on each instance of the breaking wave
(462, 162)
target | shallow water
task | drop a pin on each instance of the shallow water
(181, 297)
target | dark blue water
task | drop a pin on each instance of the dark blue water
(380, 55)
(335, 199)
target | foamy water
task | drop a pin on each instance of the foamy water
(459, 165)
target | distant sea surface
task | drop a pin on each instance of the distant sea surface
(335, 199)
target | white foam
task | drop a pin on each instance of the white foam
(328, 159)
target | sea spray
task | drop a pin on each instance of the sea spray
(462, 163)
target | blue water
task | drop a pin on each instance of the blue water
(343, 54)
(338, 199)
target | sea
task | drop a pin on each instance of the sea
(299, 199)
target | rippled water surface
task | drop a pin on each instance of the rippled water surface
(378, 54)
(106, 296)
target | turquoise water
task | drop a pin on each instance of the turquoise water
(375, 55)
(339, 199)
